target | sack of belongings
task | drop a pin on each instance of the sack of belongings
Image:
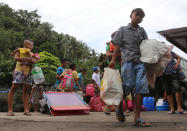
(156, 55)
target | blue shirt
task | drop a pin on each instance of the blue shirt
(59, 71)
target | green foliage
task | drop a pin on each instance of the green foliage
(49, 64)
(88, 65)
(49, 47)
(16, 26)
(6, 68)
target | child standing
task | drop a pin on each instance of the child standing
(171, 81)
(59, 71)
(21, 75)
(25, 52)
(35, 96)
(133, 72)
(96, 79)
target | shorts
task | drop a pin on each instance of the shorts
(134, 78)
(18, 77)
(171, 83)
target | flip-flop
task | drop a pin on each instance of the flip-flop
(181, 112)
(141, 123)
(27, 113)
(106, 110)
(10, 114)
(171, 112)
(120, 115)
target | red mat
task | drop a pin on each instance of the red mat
(66, 103)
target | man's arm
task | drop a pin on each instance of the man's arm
(57, 76)
(109, 54)
(24, 59)
(178, 61)
(116, 52)
(75, 77)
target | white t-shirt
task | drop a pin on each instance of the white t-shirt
(96, 78)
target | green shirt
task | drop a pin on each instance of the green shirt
(118, 62)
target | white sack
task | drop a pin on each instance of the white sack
(151, 50)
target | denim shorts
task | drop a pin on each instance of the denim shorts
(18, 77)
(134, 78)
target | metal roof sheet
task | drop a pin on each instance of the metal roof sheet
(177, 37)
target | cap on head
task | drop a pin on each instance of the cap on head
(95, 68)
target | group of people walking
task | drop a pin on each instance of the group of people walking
(123, 53)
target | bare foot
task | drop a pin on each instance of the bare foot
(10, 114)
(27, 113)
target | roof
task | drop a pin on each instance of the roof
(177, 37)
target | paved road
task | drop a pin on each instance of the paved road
(95, 121)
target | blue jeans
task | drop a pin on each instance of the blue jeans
(134, 77)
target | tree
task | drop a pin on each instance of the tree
(6, 68)
(16, 26)
(43, 33)
(48, 47)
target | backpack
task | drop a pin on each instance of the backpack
(96, 103)
(67, 83)
(90, 90)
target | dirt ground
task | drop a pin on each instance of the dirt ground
(95, 121)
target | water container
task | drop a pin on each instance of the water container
(148, 103)
(162, 105)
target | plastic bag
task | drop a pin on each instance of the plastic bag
(37, 75)
(151, 50)
(156, 55)
(111, 87)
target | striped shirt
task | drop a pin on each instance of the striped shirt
(170, 67)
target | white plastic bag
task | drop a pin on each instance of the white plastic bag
(111, 87)
(37, 75)
(151, 50)
(156, 55)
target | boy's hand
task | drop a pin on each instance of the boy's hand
(33, 60)
(112, 64)
(175, 66)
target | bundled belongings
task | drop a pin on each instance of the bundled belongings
(96, 104)
(156, 55)
(111, 90)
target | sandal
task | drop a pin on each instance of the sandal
(106, 110)
(141, 123)
(181, 112)
(171, 112)
(120, 115)
(27, 113)
(10, 114)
